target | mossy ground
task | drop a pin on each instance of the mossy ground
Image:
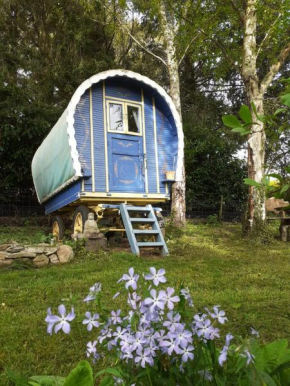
(248, 279)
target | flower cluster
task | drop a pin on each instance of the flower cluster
(156, 329)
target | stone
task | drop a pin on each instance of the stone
(4, 246)
(36, 250)
(15, 249)
(54, 259)
(3, 255)
(93, 245)
(43, 245)
(65, 253)
(51, 251)
(91, 226)
(5, 263)
(41, 261)
(22, 254)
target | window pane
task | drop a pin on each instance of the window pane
(116, 117)
(133, 119)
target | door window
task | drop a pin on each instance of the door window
(124, 117)
(116, 117)
(133, 116)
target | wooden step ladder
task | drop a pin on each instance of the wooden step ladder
(127, 213)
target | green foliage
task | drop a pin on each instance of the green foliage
(82, 375)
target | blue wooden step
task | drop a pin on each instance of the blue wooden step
(140, 209)
(150, 244)
(132, 233)
(142, 220)
(146, 232)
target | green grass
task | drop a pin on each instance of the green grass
(249, 280)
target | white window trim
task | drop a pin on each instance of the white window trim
(124, 104)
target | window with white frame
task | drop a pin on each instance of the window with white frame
(124, 117)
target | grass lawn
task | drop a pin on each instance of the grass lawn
(249, 280)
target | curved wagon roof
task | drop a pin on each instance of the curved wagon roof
(56, 163)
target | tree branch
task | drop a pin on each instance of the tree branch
(133, 37)
(186, 49)
(267, 34)
(240, 14)
(221, 46)
(274, 69)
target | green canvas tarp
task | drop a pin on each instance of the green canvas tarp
(52, 165)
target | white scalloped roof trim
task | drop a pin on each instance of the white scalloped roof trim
(131, 75)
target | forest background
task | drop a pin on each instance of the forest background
(49, 47)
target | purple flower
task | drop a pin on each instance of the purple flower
(170, 345)
(138, 341)
(97, 287)
(91, 348)
(91, 321)
(131, 279)
(169, 299)
(115, 317)
(133, 299)
(206, 375)
(219, 315)
(157, 301)
(250, 357)
(116, 295)
(144, 357)
(160, 335)
(254, 332)
(223, 355)
(62, 320)
(229, 337)
(186, 294)
(126, 343)
(183, 337)
(186, 353)
(213, 333)
(157, 277)
(173, 321)
(204, 328)
(119, 333)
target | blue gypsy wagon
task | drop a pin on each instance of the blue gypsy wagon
(114, 151)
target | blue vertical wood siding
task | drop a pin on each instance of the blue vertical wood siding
(167, 145)
(83, 138)
(123, 88)
(99, 141)
(150, 144)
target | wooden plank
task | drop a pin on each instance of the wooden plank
(159, 237)
(129, 230)
(142, 220)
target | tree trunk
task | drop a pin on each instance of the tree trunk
(257, 139)
(178, 205)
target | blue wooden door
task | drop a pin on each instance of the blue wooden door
(126, 163)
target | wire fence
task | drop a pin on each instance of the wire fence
(19, 203)
(16, 203)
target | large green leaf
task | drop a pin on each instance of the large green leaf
(48, 380)
(285, 188)
(81, 375)
(245, 114)
(285, 99)
(274, 175)
(231, 121)
(16, 378)
(249, 181)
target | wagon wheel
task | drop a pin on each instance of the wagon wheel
(58, 228)
(80, 217)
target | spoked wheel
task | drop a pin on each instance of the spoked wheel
(58, 228)
(80, 217)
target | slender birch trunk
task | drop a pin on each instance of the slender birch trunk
(256, 140)
(178, 205)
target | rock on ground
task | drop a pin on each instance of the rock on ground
(65, 253)
(41, 261)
